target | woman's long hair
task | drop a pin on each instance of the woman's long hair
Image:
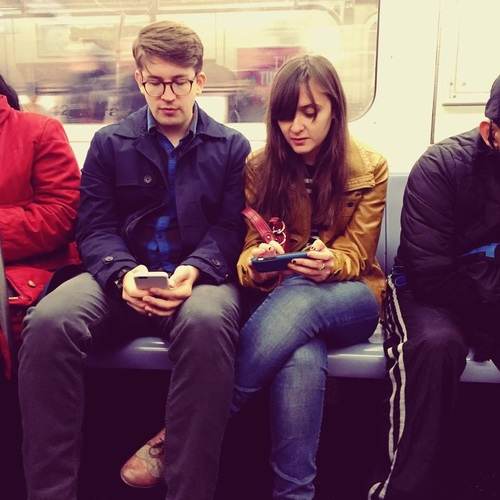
(279, 178)
(10, 93)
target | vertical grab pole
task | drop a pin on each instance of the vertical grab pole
(5, 324)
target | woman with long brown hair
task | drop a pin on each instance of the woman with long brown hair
(329, 191)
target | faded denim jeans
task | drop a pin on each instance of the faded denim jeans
(283, 345)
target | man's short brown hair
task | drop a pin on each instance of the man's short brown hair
(171, 41)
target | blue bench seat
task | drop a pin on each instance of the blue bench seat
(364, 361)
(358, 361)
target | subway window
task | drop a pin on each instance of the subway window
(72, 58)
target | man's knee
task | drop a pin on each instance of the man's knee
(62, 319)
(204, 327)
(207, 327)
(444, 342)
(47, 329)
(210, 311)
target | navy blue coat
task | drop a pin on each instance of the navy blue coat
(124, 178)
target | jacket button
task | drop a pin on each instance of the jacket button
(108, 259)
(31, 283)
(148, 179)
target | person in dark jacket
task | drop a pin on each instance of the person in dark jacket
(161, 190)
(438, 303)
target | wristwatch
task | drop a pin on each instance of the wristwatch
(118, 280)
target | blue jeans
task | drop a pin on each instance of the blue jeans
(284, 345)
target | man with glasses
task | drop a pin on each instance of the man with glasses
(443, 296)
(161, 190)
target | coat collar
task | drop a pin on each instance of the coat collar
(360, 171)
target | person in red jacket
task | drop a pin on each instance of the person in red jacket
(39, 195)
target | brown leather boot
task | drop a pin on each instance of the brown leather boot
(144, 469)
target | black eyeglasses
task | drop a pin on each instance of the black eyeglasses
(178, 87)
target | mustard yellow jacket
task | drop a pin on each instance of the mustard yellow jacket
(353, 238)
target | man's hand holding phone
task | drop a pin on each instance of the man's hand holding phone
(157, 299)
(165, 301)
(151, 279)
(130, 293)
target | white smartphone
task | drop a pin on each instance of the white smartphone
(151, 279)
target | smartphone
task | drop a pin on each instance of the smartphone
(151, 279)
(276, 263)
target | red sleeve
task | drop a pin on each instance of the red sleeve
(46, 221)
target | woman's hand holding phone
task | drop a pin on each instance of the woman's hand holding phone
(265, 250)
(318, 265)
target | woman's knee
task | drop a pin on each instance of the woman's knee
(356, 300)
(309, 355)
(308, 361)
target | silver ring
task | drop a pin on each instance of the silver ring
(322, 268)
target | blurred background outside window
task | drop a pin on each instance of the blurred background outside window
(72, 58)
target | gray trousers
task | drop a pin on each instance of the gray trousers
(57, 335)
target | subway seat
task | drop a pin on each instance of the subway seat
(363, 361)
